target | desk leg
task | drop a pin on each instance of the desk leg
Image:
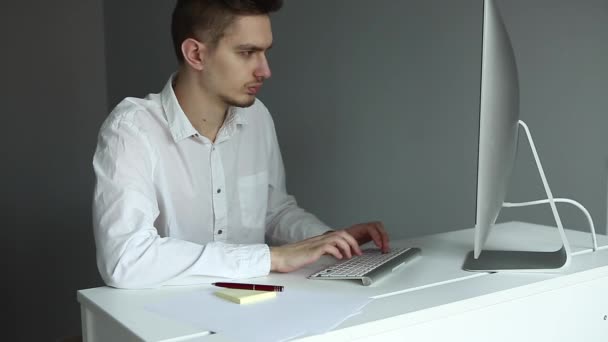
(99, 327)
(86, 321)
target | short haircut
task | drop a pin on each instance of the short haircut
(207, 20)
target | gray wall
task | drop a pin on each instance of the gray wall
(375, 106)
(54, 100)
(139, 48)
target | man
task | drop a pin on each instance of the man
(190, 182)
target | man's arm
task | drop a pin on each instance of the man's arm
(130, 252)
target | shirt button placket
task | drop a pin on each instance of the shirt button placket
(219, 196)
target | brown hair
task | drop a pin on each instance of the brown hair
(210, 18)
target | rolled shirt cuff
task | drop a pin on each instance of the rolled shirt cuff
(234, 260)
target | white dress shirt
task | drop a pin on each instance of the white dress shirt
(170, 204)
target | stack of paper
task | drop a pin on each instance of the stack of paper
(293, 313)
(245, 296)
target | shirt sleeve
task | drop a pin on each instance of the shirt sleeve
(286, 222)
(130, 252)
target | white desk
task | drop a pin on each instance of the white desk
(431, 299)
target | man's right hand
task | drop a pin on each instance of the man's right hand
(293, 256)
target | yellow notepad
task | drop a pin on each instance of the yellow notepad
(245, 296)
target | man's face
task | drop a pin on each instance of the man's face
(235, 70)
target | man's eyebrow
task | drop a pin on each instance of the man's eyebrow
(252, 47)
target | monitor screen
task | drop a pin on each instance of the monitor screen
(498, 122)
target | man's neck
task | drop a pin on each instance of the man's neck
(206, 113)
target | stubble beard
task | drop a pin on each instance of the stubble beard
(238, 103)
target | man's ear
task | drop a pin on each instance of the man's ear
(194, 53)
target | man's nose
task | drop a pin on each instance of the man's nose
(263, 70)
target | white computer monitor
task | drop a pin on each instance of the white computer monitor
(498, 138)
(498, 123)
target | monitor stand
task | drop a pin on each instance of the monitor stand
(525, 261)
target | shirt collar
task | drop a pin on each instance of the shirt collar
(235, 116)
(180, 126)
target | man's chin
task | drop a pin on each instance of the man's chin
(241, 103)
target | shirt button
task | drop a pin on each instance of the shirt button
(219, 190)
(219, 232)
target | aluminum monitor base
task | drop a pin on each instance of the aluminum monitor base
(516, 261)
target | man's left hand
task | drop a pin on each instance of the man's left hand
(370, 231)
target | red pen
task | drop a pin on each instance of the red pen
(255, 287)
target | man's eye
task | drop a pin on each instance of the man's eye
(246, 53)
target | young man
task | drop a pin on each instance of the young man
(190, 182)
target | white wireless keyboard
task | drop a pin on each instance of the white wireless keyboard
(368, 267)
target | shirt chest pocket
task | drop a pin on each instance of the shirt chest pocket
(253, 198)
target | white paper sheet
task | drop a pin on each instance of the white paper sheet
(291, 314)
